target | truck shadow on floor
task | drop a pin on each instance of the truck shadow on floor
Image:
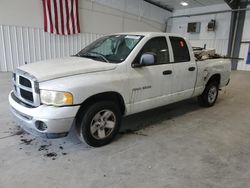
(137, 122)
(134, 124)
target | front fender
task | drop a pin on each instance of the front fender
(84, 86)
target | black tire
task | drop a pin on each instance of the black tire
(204, 99)
(85, 122)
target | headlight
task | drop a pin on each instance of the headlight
(56, 98)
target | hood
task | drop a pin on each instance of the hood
(57, 68)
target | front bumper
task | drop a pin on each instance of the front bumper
(58, 120)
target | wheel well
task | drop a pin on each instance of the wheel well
(112, 96)
(215, 77)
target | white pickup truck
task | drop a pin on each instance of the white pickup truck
(115, 76)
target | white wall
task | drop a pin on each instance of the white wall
(124, 15)
(244, 46)
(22, 38)
(217, 39)
(104, 16)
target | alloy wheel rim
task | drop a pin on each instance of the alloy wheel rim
(102, 124)
(212, 93)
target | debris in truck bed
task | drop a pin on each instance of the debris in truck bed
(204, 54)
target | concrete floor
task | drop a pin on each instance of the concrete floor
(181, 145)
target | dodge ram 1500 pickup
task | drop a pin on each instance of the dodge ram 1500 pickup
(116, 75)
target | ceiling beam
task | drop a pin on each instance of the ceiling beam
(233, 4)
(159, 5)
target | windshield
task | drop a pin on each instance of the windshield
(111, 49)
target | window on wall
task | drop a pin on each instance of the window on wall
(159, 47)
(180, 49)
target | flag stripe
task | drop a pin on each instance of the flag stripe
(56, 17)
(67, 17)
(45, 16)
(61, 16)
(72, 17)
(50, 16)
(77, 17)
(52, 12)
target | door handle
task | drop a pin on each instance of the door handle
(167, 72)
(191, 68)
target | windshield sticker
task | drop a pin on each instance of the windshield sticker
(132, 37)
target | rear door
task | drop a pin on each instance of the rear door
(184, 70)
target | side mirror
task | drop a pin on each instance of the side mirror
(146, 60)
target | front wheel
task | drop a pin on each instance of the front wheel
(210, 94)
(99, 123)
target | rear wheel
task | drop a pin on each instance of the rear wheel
(210, 94)
(99, 123)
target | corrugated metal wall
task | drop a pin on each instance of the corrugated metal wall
(217, 39)
(220, 45)
(23, 44)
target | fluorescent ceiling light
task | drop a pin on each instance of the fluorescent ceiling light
(183, 3)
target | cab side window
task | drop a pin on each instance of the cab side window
(158, 46)
(180, 49)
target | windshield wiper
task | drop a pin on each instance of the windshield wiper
(88, 55)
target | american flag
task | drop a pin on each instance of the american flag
(61, 17)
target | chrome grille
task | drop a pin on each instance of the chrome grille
(25, 82)
(26, 88)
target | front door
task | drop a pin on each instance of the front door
(147, 83)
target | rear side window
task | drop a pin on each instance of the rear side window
(180, 49)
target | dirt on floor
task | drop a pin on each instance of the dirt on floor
(180, 145)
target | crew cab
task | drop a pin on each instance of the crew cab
(116, 75)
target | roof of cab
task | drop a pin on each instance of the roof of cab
(148, 34)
